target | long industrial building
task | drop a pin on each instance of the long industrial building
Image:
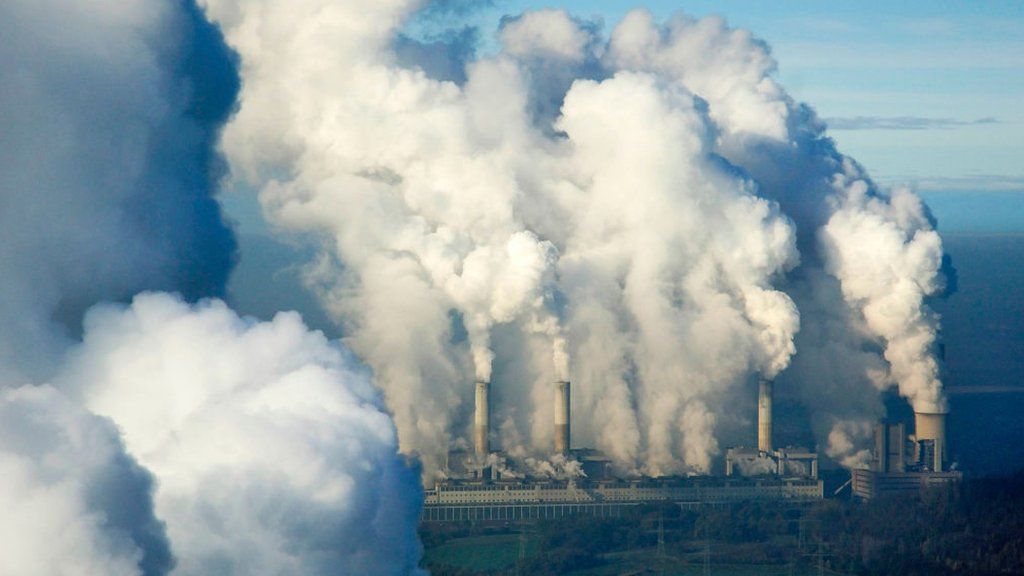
(485, 486)
(478, 501)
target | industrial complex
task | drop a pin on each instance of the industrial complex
(903, 463)
(487, 485)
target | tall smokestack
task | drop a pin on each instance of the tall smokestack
(764, 416)
(482, 418)
(932, 426)
(562, 437)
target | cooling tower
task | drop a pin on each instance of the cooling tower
(932, 426)
(562, 417)
(481, 419)
(764, 416)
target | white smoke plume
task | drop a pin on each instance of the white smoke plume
(107, 167)
(265, 451)
(73, 501)
(271, 450)
(664, 189)
(412, 182)
(869, 257)
(755, 465)
(107, 171)
(887, 258)
(556, 466)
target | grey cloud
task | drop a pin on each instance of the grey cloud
(107, 165)
(902, 123)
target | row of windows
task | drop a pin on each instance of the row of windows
(550, 511)
(459, 497)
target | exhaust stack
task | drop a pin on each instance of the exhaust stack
(562, 432)
(764, 416)
(481, 419)
(932, 426)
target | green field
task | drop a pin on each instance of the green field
(499, 552)
(645, 563)
(481, 553)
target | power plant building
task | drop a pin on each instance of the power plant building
(766, 459)
(518, 500)
(486, 486)
(906, 464)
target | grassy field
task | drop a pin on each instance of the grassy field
(646, 563)
(481, 553)
(500, 551)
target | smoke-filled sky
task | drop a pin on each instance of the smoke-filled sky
(918, 91)
(639, 201)
(642, 209)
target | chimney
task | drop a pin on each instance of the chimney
(481, 419)
(932, 426)
(562, 432)
(764, 416)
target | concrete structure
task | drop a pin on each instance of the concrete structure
(789, 461)
(482, 419)
(903, 464)
(455, 500)
(562, 425)
(890, 448)
(868, 484)
(491, 486)
(596, 466)
(930, 436)
(764, 416)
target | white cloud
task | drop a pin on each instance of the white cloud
(270, 449)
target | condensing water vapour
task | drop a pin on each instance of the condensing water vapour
(642, 211)
(647, 214)
(241, 421)
(165, 436)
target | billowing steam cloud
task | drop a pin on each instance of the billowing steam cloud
(110, 110)
(648, 214)
(73, 502)
(109, 113)
(887, 258)
(654, 205)
(868, 258)
(272, 452)
(265, 451)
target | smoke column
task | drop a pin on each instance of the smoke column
(869, 257)
(451, 204)
(651, 206)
